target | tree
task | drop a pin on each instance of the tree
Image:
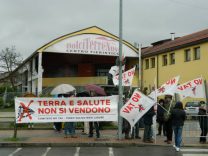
(9, 60)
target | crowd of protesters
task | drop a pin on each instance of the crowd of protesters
(170, 117)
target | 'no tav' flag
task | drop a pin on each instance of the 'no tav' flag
(136, 107)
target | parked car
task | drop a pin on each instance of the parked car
(192, 108)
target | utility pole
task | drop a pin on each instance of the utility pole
(120, 103)
(140, 66)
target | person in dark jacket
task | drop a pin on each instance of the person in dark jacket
(148, 121)
(168, 106)
(178, 117)
(94, 124)
(160, 117)
(203, 122)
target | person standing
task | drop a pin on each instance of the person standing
(95, 124)
(203, 122)
(69, 127)
(160, 117)
(168, 105)
(148, 121)
(178, 117)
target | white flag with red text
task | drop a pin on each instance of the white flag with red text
(136, 107)
(193, 88)
(127, 77)
(168, 88)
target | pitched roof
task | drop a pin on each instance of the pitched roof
(182, 42)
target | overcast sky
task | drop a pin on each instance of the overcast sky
(29, 24)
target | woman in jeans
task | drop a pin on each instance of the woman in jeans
(178, 116)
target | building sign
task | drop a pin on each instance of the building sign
(75, 109)
(91, 44)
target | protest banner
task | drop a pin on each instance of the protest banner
(193, 88)
(115, 70)
(73, 109)
(136, 107)
(168, 88)
(127, 77)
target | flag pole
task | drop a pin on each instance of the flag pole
(205, 92)
(155, 124)
(120, 104)
(140, 67)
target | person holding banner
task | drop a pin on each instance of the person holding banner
(168, 105)
(160, 117)
(178, 117)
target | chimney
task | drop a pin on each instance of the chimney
(172, 36)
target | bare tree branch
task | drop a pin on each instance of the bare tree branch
(9, 60)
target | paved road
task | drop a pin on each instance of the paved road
(102, 151)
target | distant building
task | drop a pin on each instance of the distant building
(186, 56)
(79, 58)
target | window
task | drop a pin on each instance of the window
(165, 60)
(147, 64)
(172, 58)
(197, 53)
(153, 62)
(187, 55)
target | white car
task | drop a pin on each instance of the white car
(192, 108)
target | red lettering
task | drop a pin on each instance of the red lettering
(46, 110)
(71, 103)
(128, 108)
(62, 110)
(71, 110)
(79, 102)
(136, 97)
(108, 102)
(180, 87)
(170, 82)
(198, 82)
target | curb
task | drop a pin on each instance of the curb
(23, 144)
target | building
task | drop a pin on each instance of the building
(79, 58)
(185, 56)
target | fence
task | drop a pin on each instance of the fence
(194, 125)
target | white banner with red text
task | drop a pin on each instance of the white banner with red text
(193, 88)
(136, 107)
(168, 88)
(73, 109)
(127, 78)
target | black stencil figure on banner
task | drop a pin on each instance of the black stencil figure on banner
(25, 111)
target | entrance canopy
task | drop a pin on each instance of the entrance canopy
(90, 41)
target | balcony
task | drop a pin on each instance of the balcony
(75, 81)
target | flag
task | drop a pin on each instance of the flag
(168, 88)
(136, 107)
(193, 88)
(127, 77)
(115, 70)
